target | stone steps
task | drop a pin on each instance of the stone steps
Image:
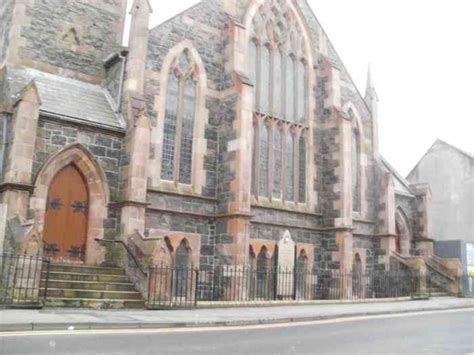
(86, 269)
(94, 303)
(78, 293)
(78, 286)
(74, 276)
(90, 285)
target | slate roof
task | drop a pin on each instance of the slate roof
(66, 98)
(401, 185)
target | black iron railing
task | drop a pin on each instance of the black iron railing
(21, 279)
(170, 287)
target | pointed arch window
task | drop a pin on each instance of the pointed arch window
(355, 164)
(302, 170)
(290, 167)
(264, 160)
(277, 165)
(277, 64)
(180, 112)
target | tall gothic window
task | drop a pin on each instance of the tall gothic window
(355, 163)
(180, 115)
(264, 159)
(279, 71)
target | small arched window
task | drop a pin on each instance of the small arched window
(183, 257)
(178, 137)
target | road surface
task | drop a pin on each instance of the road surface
(444, 332)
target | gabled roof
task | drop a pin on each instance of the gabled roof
(66, 98)
(401, 185)
(440, 142)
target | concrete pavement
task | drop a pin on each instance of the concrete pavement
(60, 319)
(436, 332)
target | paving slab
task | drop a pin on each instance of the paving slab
(63, 319)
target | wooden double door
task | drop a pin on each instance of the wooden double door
(65, 228)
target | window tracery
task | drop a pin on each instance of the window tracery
(278, 68)
(180, 112)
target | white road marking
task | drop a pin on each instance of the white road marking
(221, 328)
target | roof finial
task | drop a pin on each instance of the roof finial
(370, 92)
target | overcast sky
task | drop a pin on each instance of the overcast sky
(422, 58)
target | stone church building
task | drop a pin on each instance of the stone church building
(212, 139)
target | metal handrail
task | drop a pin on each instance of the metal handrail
(129, 252)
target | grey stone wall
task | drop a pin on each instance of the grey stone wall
(6, 14)
(271, 224)
(325, 139)
(97, 25)
(174, 213)
(374, 252)
(209, 45)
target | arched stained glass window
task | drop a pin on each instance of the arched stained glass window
(277, 84)
(167, 167)
(278, 57)
(187, 130)
(355, 162)
(254, 71)
(290, 89)
(265, 81)
(302, 171)
(180, 112)
(264, 160)
(255, 159)
(290, 168)
(277, 169)
(301, 94)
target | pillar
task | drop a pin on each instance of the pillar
(19, 165)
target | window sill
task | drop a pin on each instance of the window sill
(284, 207)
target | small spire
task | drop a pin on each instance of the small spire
(141, 4)
(370, 92)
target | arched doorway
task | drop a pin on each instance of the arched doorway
(66, 221)
(403, 233)
(98, 193)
